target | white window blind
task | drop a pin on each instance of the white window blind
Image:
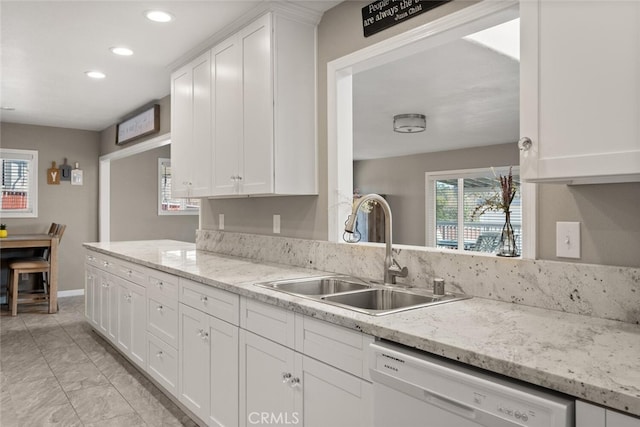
(168, 205)
(19, 183)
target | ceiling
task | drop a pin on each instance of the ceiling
(468, 91)
(47, 46)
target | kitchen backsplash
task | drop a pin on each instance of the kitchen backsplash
(594, 290)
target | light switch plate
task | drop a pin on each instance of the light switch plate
(568, 239)
(276, 224)
(221, 221)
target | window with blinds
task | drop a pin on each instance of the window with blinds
(19, 183)
(168, 205)
(452, 198)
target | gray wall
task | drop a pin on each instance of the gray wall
(608, 213)
(134, 201)
(76, 206)
(402, 181)
(142, 222)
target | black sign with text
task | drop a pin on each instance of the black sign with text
(382, 14)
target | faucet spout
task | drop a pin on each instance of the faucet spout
(391, 267)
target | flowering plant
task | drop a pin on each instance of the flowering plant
(501, 200)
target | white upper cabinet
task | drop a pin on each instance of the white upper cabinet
(580, 91)
(191, 129)
(264, 109)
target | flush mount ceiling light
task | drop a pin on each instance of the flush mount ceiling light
(409, 123)
(122, 51)
(95, 74)
(158, 16)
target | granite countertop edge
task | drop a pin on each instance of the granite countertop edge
(585, 357)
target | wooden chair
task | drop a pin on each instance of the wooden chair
(31, 265)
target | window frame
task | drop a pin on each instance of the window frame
(161, 161)
(430, 200)
(32, 156)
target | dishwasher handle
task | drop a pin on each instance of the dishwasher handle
(449, 405)
(423, 394)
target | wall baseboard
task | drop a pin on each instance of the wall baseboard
(71, 293)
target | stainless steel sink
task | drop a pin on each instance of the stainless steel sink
(379, 301)
(356, 294)
(318, 285)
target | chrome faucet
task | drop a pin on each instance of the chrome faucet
(391, 267)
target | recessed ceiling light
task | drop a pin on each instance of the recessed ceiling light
(159, 16)
(95, 74)
(122, 51)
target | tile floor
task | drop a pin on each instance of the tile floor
(54, 370)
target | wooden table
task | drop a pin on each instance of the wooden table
(39, 241)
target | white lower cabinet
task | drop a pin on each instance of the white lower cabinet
(162, 363)
(332, 397)
(208, 354)
(194, 351)
(283, 386)
(108, 307)
(269, 385)
(589, 415)
(131, 320)
(91, 296)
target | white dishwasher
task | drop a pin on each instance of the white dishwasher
(413, 389)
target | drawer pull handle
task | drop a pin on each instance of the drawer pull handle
(286, 377)
(204, 299)
(159, 354)
(129, 273)
(203, 334)
(295, 382)
(160, 308)
(160, 284)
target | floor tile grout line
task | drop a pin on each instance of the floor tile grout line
(54, 374)
(108, 379)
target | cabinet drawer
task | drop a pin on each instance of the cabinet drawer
(274, 323)
(93, 258)
(218, 303)
(132, 272)
(343, 348)
(162, 319)
(163, 284)
(163, 363)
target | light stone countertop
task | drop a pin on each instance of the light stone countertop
(594, 359)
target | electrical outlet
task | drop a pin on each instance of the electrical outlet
(276, 224)
(221, 221)
(568, 239)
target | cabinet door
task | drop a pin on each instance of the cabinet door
(257, 108)
(580, 90)
(123, 317)
(108, 307)
(617, 419)
(226, 75)
(266, 369)
(200, 150)
(223, 408)
(191, 129)
(181, 129)
(137, 303)
(323, 387)
(193, 360)
(90, 279)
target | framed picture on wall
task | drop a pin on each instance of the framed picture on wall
(141, 124)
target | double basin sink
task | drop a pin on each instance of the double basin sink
(358, 295)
